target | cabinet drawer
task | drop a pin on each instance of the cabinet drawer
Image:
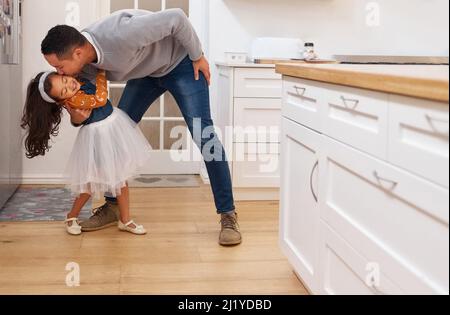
(256, 165)
(346, 272)
(303, 102)
(257, 120)
(389, 216)
(419, 137)
(358, 118)
(250, 82)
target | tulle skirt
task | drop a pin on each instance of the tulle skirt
(105, 155)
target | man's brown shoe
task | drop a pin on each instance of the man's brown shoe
(102, 218)
(230, 234)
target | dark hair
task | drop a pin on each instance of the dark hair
(40, 119)
(61, 40)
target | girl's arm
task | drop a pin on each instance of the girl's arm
(81, 100)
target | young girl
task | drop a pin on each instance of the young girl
(109, 147)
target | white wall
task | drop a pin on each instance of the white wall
(37, 18)
(407, 27)
(412, 27)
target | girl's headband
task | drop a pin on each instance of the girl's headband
(44, 95)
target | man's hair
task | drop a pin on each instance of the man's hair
(61, 40)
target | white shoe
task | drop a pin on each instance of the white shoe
(74, 228)
(138, 229)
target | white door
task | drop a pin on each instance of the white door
(299, 231)
(173, 149)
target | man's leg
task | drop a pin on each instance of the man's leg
(193, 99)
(135, 101)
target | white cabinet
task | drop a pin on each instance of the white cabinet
(299, 200)
(346, 272)
(257, 120)
(393, 218)
(256, 165)
(257, 82)
(364, 202)
(303, 102)
(249, 118)
(358, 118)
(419, 137)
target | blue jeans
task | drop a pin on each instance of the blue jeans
(192, 98)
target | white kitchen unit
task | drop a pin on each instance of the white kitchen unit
(364, 188)
(249, 119)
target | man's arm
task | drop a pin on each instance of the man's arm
(143, 30)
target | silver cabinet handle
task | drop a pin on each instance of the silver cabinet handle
(349, 100)
(311, 182)
(432, 120)
(385, 180)
(300, 90)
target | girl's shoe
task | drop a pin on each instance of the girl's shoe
(74, 228)
(138, 229)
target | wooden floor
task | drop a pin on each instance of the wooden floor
(180, 255)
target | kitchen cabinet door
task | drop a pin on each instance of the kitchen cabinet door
(394, 219)
(346, 272)
(300, 203)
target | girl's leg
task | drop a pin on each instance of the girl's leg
(78, 205)
(124, 205)
(72, 224)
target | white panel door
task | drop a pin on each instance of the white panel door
(344, 271)
(299, 200)
(392, 217)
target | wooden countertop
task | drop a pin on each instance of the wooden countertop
(421, 81)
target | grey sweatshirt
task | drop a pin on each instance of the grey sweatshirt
(133, 44)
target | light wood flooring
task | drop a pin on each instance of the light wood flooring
(180, 255)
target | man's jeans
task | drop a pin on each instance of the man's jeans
(193, 99)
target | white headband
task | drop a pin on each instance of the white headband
(42, 90)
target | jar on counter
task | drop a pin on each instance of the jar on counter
(309, 52)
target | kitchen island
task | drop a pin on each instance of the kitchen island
(364, 177)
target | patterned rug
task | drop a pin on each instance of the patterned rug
(40, 204)
(164, 181)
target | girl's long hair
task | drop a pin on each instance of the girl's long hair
(40, 119)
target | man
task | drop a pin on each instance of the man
(154, 53)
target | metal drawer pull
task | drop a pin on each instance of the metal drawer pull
(311, 182)
(300, 90)
(381, 180)
(434, 121)
(348, 100)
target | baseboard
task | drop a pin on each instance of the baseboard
(40, 180)
(256, 194)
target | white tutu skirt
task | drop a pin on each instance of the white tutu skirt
(105, 155)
